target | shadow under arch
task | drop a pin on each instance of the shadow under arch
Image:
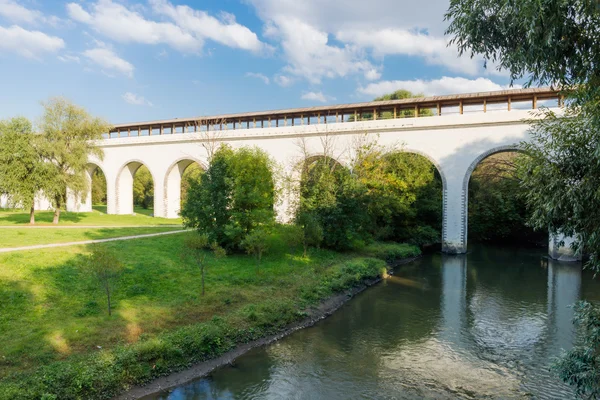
(172, 184)
(440, 171)
(511, 148)
(124, 186)
(91, 169)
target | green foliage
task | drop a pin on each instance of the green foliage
(580, 366)
(191, 173)
(391, 252)
(106, 267)
(311, 231)
(155, 292)
(68, 135)
(257, 243)
(550, 42)
(397, 95)
(98, 187)
(143, 188)
(23, 172)
(194, 247)
(497, 206)
(234, 196)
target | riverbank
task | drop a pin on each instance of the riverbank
(53, 313)
(315, 314)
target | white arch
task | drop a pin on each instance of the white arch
(124, 186)
(467, 178)
(172, 185)
(83, 202)
(444, 187)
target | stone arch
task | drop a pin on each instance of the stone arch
(172, 185)
(466, 180)
(440, 170)
(124, 186)
(91, 168)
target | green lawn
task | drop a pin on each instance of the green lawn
(52, 309)
(30, 236)
(98, 217)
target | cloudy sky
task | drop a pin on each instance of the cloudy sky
(135, 60)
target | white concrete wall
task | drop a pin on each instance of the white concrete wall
(454, 143)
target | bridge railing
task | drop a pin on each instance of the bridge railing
(506, 100)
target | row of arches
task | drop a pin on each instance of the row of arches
(165, 196)
(135, 188)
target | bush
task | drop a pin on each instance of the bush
(390, 252)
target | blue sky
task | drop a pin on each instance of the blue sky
(136, 60)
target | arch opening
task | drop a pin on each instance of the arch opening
(177, 184)
(496, 211)
(386, 196)
(98, 189)
(135, 189)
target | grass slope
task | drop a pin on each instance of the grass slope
(98, 217)
(19, 237)
(58, 342)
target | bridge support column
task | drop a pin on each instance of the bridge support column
(454, 224)
(160, 202)
(564, 252)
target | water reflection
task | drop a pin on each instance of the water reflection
(445, 327)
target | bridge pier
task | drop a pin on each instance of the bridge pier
(564, 252)
(454, 217)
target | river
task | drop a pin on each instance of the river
(484, 325)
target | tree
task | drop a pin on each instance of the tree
(556, 43)
(257, 243)
(143, 188)
(68, 138)
(311, 231)
(23, 172)
(397, 95)
(232, 198)
(98, 187)
(497, 205)
(105, 266)
(195, 247)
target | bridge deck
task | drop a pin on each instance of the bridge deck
(505, 100)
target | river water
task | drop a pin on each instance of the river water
(484, 325)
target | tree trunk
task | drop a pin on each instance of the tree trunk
(305, 248)
(32, 215)
(56, 211)
(108, 299)
(56, 216)
(203, 281)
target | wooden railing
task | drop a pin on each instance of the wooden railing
(505, 100)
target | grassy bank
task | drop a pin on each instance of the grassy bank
(58, 342)
(30, 237)
(98, 217)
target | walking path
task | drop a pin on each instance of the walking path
(47, 246)
(85, 226)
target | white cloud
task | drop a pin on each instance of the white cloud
(262, 77)
(445, 85)
(136, 100)
(317, 96)
(283, 81)
(337, 38)
(16, 12)
(30, 44)
(121, 24)
(69, 58)
(225, 30)
(109, 61)
(187, 32)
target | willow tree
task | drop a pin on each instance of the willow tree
(23, 172)
(552, 43)
(68, 139)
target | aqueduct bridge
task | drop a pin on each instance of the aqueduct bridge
(454, 132)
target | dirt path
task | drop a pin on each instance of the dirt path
(48, 246)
